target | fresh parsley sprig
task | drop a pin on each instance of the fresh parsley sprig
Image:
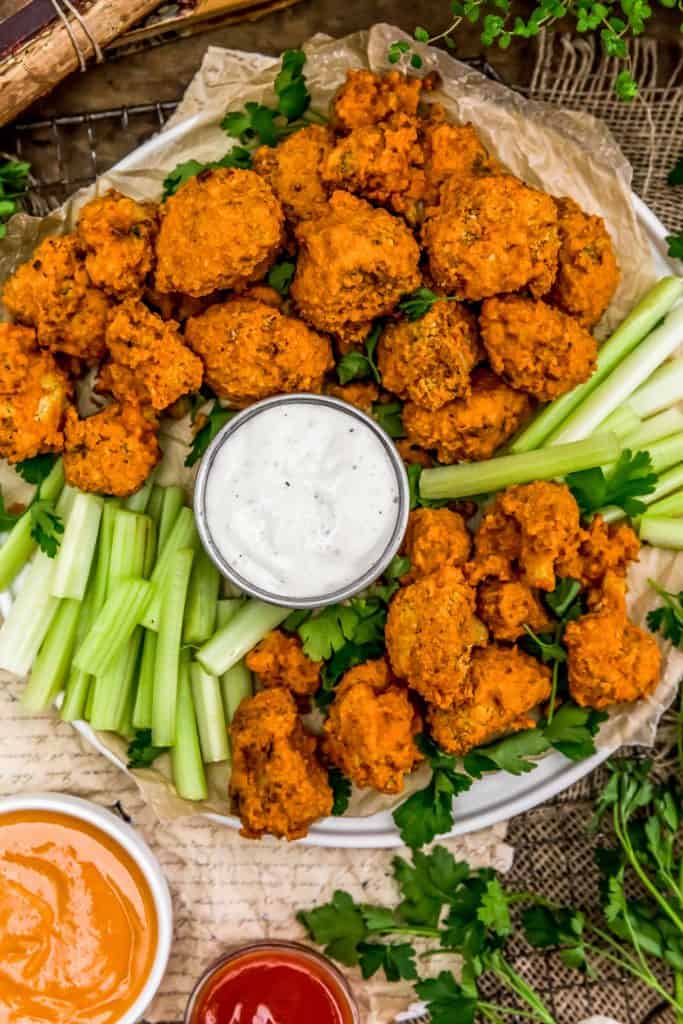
(429, 812)
(668, 618)
(141, 751)
(565, 604)
(361, 365)
(237, 157)
(414, 471)
(47, 526)
(212, 423)
(13, 186)
(389, 415)
(341, 791)
(632, 477)
(280, 276)
(418, 303)
(675, 243)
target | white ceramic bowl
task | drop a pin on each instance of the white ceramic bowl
(135, 847)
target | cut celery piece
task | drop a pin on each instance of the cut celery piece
(51, 666)
(208, 705)
(666, 453)
(236, 684)
(242, 632)
(150, 547)
(622, 422)
(174, 596)
(78, 684)
(173, 501)
(29, 618)
(662, 531)
(19, 545)
(155, 505)
(664, 424)
(227, 609)
(670, 506)
(76, 551)
(113, 626)
(112, 689)
(663, 389)
(103, 557)
(138, 502)
(183, 535)
(142, 712)
(202, 600)
(128, 546)
(189, 777)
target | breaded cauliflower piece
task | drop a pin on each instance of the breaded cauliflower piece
(118, 234)
(251, 351)
(355, 262)
(52, 292)
(506, 685)
(366, 98)
(491, 235)
(507, 607)
(429, 361)
(587, 273)
(430, 632)
(221, 229)
(435, 537)
(112, 452)
(293, 171)
(163, 367)
(536, 348)
(604, 548)
(279, 660)
(33, 396)
(528, 533)
(362, 394)
(371, 727)
(278, 786)
(469, 428)
(451, 151)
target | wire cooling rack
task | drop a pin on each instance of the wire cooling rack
(553, 853)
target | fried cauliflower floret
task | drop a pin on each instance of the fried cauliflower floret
(366, 98)
(118, 234)
(506, 685)
(429, 361)
(507, 607)
(359, 393)
(52, 292)
(251, 351)
(33, 396)
(587, 273)
(430, 632)
(355, 262)
(451, 151)
(536, 348)
(112, 452)
(491, 235)
(278, 786)
(435, 537)
(528, 533)
(222, 229)
(604, 548)
(293, 171)
(153, 350)
(469, 428)
(279, 660)
(371, 727)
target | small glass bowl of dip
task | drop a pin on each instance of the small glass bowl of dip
(273, 981)
(302, 500)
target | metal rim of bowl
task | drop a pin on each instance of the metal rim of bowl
(276, 946)
(285, 600)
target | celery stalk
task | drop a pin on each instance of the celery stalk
(182, 535)
(142, 712)
(112, 688)
(113, 626)
(19, 545)
(77, 549)
(173, 501)
(103, 558)
(189, 777)
(156, 501)
(663, 389)
(208, 705)
(174, 595)
(227, 608)
(51, 666)
(668, 482)
(75, 696)
(666, 453)
(622, 422)
(236, 684)
(29, 618)
(128, 546)
(138, 502)
(670, 506)
(640, 321)
(202, 600)
(234, 640)
(90, 699)
(468, 479)
(664, 424)
(150, 557)
(662, 531)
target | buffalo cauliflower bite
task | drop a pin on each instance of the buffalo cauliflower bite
(366, 98)
(251, 351)
(587, 273)
(278, 786)
(33, 396)
(371, 727)
(506, 608)
(490, 235)
(222, 229)
(118, 234)
(528, 533)
(435, 537)
(469, 428)
(536, 348)
(360, 393)
(52, 292)
(279, 660)
(293, 171)
(430, 360)
(604, 549)
(355, 262)
(162, 367)
(430, 632)
(451, 151)
(112, 452)
(506, 685)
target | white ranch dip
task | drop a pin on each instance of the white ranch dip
(302, 499)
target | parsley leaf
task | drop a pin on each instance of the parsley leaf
(341, 790)
(46, 527)
(215, 421)
(668, 618)
(338, 926)
(327, 632)
(280, 277)
(388, 416)
(13, 185)
(509, 754)
(414, 471)
(7, 518)
(675, 243)
(676, 174)
(573, 729)
(632, 476)
(429, 811)
(360, 365)
(396, 960)
(544, 646)
(290, 85)
(427, 884)
(562, 928)
(446, 1000)
(347, 657)
(560, 600)
(257, 124)
(236, 157)
(141, 751)
(418, 303)
(35, 470)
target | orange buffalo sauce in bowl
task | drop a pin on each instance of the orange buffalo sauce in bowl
(78, 925)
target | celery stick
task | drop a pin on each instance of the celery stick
(183, 535)
(112, 688)
(138, 502)
(155, 505)
(51, 666)
(150, 557)
(236, 684)
(75, 696)
(468, 479)
(142, 712)
(664, 424)
(127, 547)
(19, 545)
(228, 608)
(208, 705)
(29, 618)
(202, 600)
(670, 506)
(613, 513)
(663, 389)
(662, 531)
(624, 380)
(640, 321)
(173, 501)
(113, 626)
(234, 640)
(103, 558)
(174, 595)
(76, 551)
(90, 699)
(668, 483)
(622, 422)
(189, 777)
(666, 453)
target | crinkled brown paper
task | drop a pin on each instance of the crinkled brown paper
(239, 890)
